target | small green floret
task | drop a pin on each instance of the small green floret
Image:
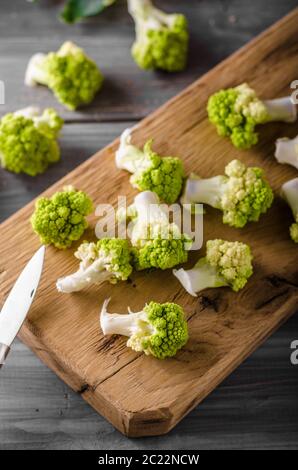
(225, 264)
(150, 172)
(237, 111)
(73, 77)
(61, 219)
(159, 330)
(28, 140)
(161, 39)
(109, 259)
(242, 194)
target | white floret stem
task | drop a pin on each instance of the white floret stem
(290, 194)
(281, 109)
(205, 191)
(145, 15)
(30, 112)
(201, 276)
(117, 323)
(93, 274)
(128, 157)
(286, 151)
(34, 72)
(148, 208)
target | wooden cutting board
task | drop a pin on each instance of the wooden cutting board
(140, 395)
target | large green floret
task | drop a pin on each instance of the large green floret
(28, 140)
(289, 192)
(242, 194)
(150, 172)
(159, 330)
(225, 264)
(156, 242)
(109, 259)
(73, 77)
(61, 219)
(161, 39)
(237, 111)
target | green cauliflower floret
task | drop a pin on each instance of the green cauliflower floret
(237, 111)
(156, 242)
(289, 192)
(28, 140)
(106, 260)
(162, 175)
(225, 264)
(159, 330)
(61, 219)
(161, 38)
(73, 77)
(243, 193)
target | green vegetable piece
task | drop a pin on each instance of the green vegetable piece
(289, 192)
(61, 219)
(159, 330)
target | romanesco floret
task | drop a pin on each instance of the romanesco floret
(159, 330)
(73, 77)
(106, 260)
(226, 264)
(156, 242)
(162, 175)
(161, 38)
(243, 193)
(289, 192)
(28, 140)
(61, 219)
(286, 151)
(237, 111)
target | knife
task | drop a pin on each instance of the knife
(18, 302)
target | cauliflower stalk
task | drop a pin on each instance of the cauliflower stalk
(28, 140)
(106, 260)
(159, 330)
(243, 194)
(73, 77)
(286, 151)
(226, 264)
(290, 194)
(164, 176)
(237, 111)
(61, 219)
(156, 242)
(161, 38)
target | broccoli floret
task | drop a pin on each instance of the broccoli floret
(286, 151)
(156, 242)
(159, 330)
(106, 260)
(289, 192)
(243, 193)
(237, 111)
(161, 38)
(162, 175)
(28, 140)
(226, 264)
(73, 77)
(60, 220)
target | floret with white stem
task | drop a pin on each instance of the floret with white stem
(242, 194)
(159, 330)
(286, 151)
(225, 264)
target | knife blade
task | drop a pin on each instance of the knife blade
(19, 301)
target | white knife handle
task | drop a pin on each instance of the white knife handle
(4, 350)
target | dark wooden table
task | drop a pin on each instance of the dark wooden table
(255, 408)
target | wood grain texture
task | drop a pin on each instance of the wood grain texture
(63, 331)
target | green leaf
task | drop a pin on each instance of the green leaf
(75, 10)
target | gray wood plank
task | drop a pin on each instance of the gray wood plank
(218, 28)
